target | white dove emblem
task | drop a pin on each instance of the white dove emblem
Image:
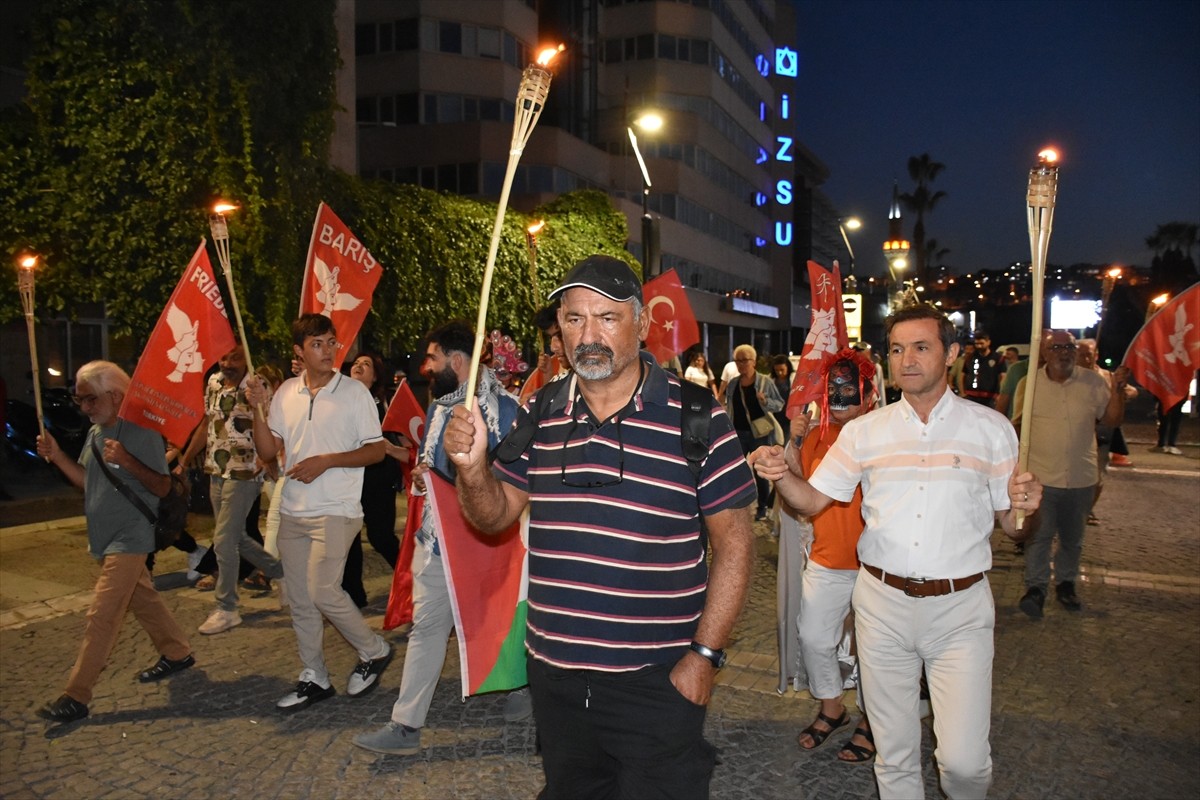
(328, 289)
(1176, 340)
(186, 352)
(824, 333)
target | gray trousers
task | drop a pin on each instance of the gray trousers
(1063, 512)
(433, 619)
(231, 502)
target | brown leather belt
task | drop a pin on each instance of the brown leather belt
(924, 587)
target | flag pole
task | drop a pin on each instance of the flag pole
(25, 283)
(531, 98)
(220, 234)
(1040, 199)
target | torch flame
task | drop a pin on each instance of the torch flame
(223, 207)
(1114, 273)
(28, 262)
(1048, 156)
(547, 55)
(536, 226)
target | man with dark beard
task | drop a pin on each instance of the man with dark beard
(447, 364)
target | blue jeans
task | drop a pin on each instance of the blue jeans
(1063, 512)
(231, 502)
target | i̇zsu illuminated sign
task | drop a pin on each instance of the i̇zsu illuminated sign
(787, 66)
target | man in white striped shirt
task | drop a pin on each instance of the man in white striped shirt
(935, 470)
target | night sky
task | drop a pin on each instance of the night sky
(982, 86)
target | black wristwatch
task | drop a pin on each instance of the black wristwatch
(716, 657)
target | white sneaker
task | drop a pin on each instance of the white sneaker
(193, 561)
(308, 691)
(220, 620)
(1175, 451)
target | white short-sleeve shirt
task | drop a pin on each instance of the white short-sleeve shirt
(339, 418)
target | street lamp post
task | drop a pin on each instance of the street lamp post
(649, 122)
(853, 224)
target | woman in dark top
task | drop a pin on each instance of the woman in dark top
(379, 485)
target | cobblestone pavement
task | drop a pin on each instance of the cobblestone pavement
(1103, 703)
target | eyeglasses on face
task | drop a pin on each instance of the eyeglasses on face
(592, 484)
(1062, 346)
(84, 399)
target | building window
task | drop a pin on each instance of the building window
(365, 111)
(450, 37)
(364, 40)
(489, 43)
(406, 34)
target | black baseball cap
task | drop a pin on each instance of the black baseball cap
(609, 276)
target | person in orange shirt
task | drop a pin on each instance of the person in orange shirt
(829, 574)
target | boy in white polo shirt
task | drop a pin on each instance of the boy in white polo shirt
(328, 429)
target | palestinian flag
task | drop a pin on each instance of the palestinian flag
(488, 579)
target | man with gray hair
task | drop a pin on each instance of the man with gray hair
(626, 621)
(119, 535)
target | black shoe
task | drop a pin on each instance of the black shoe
(1066, 596)
(1033, 601)
(165, 667)
(64, 709)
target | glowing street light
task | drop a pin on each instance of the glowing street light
(650, 122)
(853, 224)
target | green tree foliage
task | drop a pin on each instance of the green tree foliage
(140, 113)
(433, 248)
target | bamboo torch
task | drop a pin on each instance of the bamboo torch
(531, 98)
(28, 264)
(1043, 190)
(220, 235)
(531, 248)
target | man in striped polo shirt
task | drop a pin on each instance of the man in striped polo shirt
(626, 620)
(935, 470)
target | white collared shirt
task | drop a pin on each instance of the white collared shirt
(930, 490)
(339, 418)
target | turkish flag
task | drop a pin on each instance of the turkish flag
(166, 392)
(340, 277)
(1165, 354)
(827, 335)
(673, 327)
(405, 415)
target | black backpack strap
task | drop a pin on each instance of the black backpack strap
(695, 419)
(123, 487)
(549, 398)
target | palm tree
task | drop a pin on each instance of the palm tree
(934, 254)
(920, 201)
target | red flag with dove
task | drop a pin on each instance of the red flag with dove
(827, 335)
(673, 327)
(166, 391)
(340, 277)
(1165, 354)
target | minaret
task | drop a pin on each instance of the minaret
(896, 248)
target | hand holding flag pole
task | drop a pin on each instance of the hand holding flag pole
(1040, 199)
(25, 281)
(220, 235)
(531, 98)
